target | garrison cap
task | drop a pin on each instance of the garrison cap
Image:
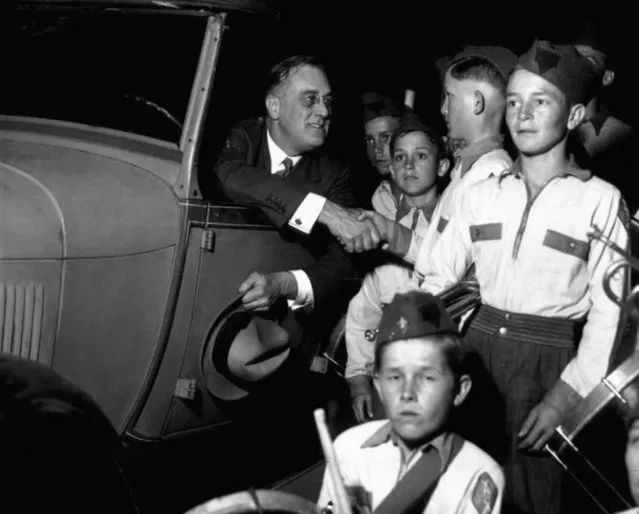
(411, 122)
(377, 105)
(564, 67)
(415, 314)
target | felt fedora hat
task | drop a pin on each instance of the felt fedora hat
(243, 348)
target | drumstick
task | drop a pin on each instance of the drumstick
(409, 98)
(343, 504)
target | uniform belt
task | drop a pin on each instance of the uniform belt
(528, 328)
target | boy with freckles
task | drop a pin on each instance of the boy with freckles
(414, 461)
(418, 160)
(546, 329)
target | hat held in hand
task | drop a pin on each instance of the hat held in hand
(243, 348)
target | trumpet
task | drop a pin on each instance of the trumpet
(631, 302)
(459, 299)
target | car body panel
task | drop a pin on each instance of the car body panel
(112, 267)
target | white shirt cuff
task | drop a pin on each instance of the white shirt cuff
(307, 213)
(305, 296)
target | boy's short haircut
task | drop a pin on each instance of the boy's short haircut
(410, 122)
(453, 347)
(480, 69)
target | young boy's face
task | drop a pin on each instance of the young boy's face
(536, 113)
(417, 388)
(416, 163)
(457, 106)
(378, 133)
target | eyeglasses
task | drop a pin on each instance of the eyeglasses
(310, 100)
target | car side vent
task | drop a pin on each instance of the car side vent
(21, 315)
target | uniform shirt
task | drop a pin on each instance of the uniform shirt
(476, 162)
(378, 289)
(368, 457)
(386, 199)
(535, 256)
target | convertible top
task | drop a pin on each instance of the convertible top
(271, 7)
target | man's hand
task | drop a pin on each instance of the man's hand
(538, 427)
(262, 290)
(355, 234)
(363, 407)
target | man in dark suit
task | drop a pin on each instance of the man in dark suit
(277, 163)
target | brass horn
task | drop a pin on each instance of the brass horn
(631, 302)
(458, 300)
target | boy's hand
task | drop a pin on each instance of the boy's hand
(355, 233)
(384, 226)
(538, 427)
(363, 407)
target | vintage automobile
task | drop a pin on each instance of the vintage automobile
(113, 265)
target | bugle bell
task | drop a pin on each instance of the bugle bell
(458, 300)
(631, 302)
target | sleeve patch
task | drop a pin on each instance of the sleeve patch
(485, 494)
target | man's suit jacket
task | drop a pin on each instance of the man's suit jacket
(244, 172)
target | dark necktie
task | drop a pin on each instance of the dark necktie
(288, 166)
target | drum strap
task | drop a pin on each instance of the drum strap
(413, 492)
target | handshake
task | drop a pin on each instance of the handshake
(356, 229)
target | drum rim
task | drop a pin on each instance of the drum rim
(243, 501)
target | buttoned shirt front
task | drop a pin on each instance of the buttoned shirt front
(308, 211)
(535, 256)
(368, 457)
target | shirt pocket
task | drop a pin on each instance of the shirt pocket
(564, 258)
(485, 232)
(567, 245)
(487, 247)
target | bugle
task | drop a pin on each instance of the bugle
(563, 448)
(631, 302)
(459, 299)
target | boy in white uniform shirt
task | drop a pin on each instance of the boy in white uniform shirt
(414, 461)
(546, 329)
(418, 160)
(473, 107)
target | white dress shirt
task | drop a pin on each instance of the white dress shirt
(308, 212)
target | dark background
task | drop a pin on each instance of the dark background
(88, 72)
(392, 46)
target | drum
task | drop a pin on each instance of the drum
(261, 500)
(590, 443)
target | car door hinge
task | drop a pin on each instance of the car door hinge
(185, 388)
(208, 239)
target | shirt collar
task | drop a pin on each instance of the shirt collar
(469, 155)
(403, 209)
(277, 154)
(442, 443)
(573, 170)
